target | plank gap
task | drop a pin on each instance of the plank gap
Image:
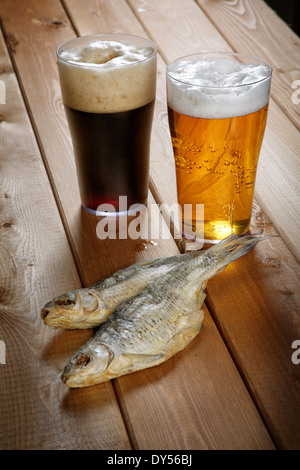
(148, 32)
(70, 17)
(238, 364)
(125, 416)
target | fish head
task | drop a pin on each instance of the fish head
(75, 309)
(87, 366)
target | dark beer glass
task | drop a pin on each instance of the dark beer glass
(108, 84)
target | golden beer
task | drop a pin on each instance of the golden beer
(216, 158)
(216, 171)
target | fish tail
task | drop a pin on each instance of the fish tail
(233, 247)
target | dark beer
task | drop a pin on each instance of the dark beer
(112, 155)
(108, 85)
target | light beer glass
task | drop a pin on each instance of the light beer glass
(217, 109)
(108, 85)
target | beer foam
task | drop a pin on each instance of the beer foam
(217, 88)
(107, 76)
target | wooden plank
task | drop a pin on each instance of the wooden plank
(179, 27)
(98, 258)
(277, 395)
(37, 411)
(260, 32)
(260, 321)
(277, 186)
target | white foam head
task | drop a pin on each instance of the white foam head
(107, 73)
(216, 87)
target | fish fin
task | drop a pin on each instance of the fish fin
(187, 330)
(233, 247)
(193, 321)
(147, 261)
(201, 294)
(130, 362)
(142, 357)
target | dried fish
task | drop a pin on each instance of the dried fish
(91, 306)
(149, 328)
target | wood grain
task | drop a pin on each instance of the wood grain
(96, 258)
(133, 409)
(277, 186)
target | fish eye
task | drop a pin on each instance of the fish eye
(82, 360)
(65, 302)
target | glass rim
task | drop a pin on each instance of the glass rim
(215, 54)
(103, 35)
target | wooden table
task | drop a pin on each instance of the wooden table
(236, 386)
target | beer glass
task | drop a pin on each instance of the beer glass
(217, 109)
(108, 85)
